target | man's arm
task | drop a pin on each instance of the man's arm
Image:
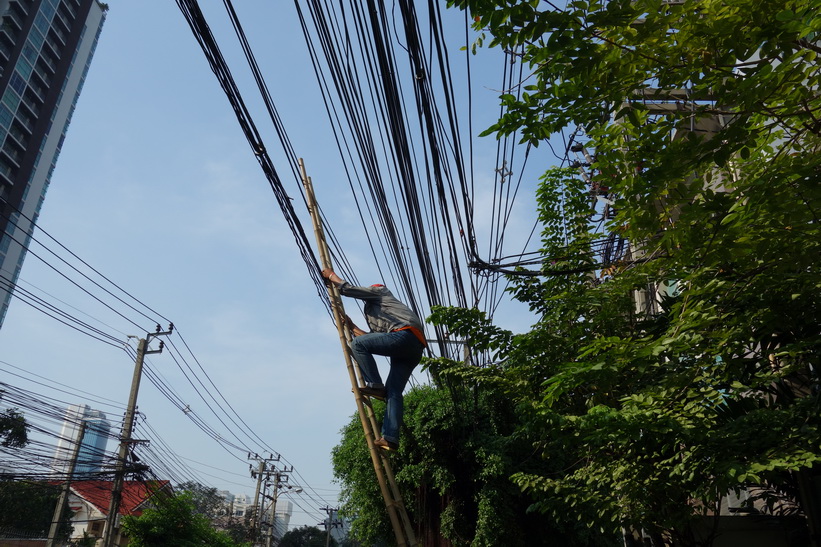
(331, 276)
(351, 291)
(356, 331)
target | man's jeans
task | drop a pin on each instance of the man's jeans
(405, 352)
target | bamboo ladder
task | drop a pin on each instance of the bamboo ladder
(402, 527)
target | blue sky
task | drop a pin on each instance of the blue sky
(157, 189)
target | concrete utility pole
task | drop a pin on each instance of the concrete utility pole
(259, 474)
(111, 521)
(269, 540)
(330, 522)
(280, 481)
(63, 499)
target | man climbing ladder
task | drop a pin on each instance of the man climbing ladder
(396, 332)
(400, 522)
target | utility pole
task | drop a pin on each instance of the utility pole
(255, 518)
(259, 474)
(125, 439)
(63, 499)
(330, 522)
(272, 527)
(280, 481)
(270, 539)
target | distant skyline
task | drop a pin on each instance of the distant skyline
(156, 189)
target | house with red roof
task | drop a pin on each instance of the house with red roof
(89, 501)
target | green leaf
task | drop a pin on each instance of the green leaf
(785, 15)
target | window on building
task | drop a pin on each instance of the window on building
(17, 82)
(29, 52)
(47, 10)
(24, 67)
(6, 116)
(36, 38)
(41, 23)
(11, 99)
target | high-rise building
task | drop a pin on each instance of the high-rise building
(46, 47)
(92, 448)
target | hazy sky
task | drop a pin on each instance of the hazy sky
(157, 189)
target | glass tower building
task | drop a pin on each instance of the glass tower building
(46, 47)
(91, 455)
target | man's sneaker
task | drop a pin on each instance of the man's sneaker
(375, 392)
(385, 444)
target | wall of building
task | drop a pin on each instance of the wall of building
(45, 72)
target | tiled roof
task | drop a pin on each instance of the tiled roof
(135, 494)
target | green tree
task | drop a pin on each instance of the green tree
(29, 507)
(174, 522)
(238, 530)
(719, 199)
(459, 449)
(86, 541)
(305, 536)
(13, 428)
(207, 500)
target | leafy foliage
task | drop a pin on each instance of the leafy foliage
(360, 490)
(13, 428)
(29, 507)
(458, 451)
(704, 121)
(719, 197)
(86, 541)
(239, 530)
(174, 522)
(305, 536)
(207, 500)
